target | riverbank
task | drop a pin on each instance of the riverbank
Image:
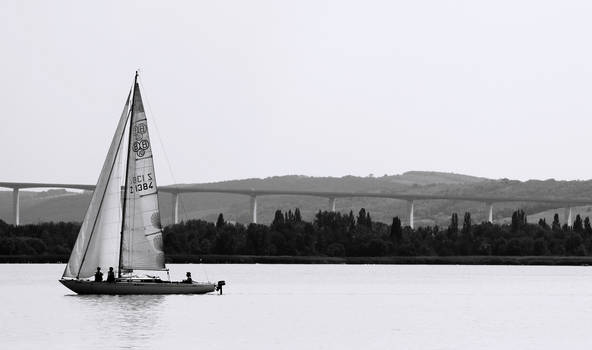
(389, 260)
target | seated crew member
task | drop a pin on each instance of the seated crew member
(111, 276)
(188, 280)
(98, 275)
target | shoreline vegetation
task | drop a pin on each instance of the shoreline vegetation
(390, 260)
(333, 238)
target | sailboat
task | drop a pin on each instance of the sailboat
(122, 228)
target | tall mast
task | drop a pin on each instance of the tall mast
(129, 144)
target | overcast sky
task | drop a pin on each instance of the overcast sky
(323, 88)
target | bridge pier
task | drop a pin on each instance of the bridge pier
(16, 210)
(254, 209)
(567, 217)
(332, 203)
(175, 205)
(410, 208)
(489, 212)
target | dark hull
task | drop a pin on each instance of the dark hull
(137, 287)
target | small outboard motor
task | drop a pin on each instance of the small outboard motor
(219, 286)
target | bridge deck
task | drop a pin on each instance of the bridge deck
(408, 196)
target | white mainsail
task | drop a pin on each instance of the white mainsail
(141, 245)
(97, 243)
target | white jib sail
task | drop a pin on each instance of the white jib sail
(142, 234)
(97, 244)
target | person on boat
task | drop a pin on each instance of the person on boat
(188, 280)
(111, 276)
(98, 275)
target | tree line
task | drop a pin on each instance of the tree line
(333, 234)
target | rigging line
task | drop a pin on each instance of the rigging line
(203, 267)
(166, 157)
(175, 183)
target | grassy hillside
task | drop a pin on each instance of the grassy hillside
(58, 205)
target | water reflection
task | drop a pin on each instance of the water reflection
(310, 307)
(132, 319)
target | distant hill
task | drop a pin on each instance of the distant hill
(433, 177)
(61, 205)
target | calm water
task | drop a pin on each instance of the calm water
(310, 307)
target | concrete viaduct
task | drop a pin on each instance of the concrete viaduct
(177, 190)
